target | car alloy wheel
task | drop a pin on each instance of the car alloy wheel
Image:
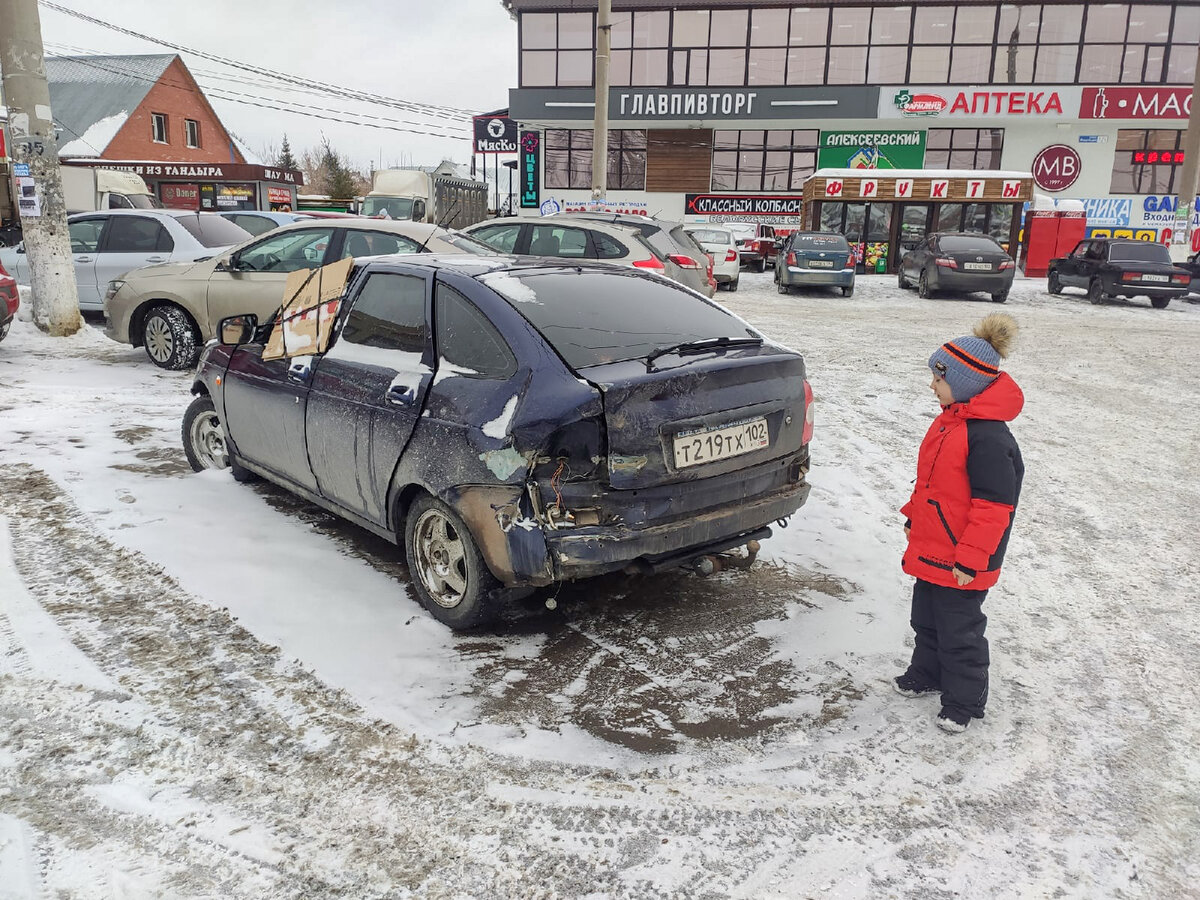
(923, 286)
(1053, 284)
(1096, 291)
(441, 559)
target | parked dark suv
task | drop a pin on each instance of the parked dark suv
(504, 421)
(1120, 268)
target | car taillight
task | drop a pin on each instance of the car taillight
(809, 415)
(652, 263)
(1007, 264)
(946, 263)
(849, 262)
(731, 256)
(791, 258)
(1181, 279)
(684, 262)
(1130, 276)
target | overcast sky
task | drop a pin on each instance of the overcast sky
(452, 53)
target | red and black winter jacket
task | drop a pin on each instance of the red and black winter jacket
(969, 473)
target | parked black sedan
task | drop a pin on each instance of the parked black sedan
(958, 262)
(1120, 268)
(515, 423)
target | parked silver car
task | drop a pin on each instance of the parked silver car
(260, 221)
(108, 243)
(625, 240)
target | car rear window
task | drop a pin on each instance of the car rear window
(687, 242)
(706, 236)
(819, 242)
(592, 318)
(968, 243)
(1139, 251)
(212, 230)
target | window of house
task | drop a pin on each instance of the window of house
(191, 130)
(568, 159)
(964, 148)
(763, 160)
(1147, 161)
(158, 128)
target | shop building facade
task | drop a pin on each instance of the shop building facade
(146, 114)
(747, 102)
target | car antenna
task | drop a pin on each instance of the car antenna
(450, 214)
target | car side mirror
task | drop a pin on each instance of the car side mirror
(418, 213)
(238, 330)
(226, 264)
(21, 247)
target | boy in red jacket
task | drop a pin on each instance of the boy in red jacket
(969, 473)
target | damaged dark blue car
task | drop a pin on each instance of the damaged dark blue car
(514, 423)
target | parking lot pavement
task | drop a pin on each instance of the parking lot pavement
(221, 690)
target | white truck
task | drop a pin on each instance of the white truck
(86, 189)
(424, 197)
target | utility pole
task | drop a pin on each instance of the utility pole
(1186, 188)
(600, 125)
(39, 194)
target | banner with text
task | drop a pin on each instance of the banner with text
(871, 150)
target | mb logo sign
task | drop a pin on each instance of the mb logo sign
(1056, 168)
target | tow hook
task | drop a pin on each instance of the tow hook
(715, 562)
(782, 523)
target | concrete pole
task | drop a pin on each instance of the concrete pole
(600, 125)
(1185, 190)
(47, 243)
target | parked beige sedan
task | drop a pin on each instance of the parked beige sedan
(172, 309)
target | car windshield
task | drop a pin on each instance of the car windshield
(211, 230)
(710, 236)
(466, 244)
(968, 243)
(395, 207)
(592, 318)
(819, 242)
(1139, 251)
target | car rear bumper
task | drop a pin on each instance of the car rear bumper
(987, 282)
(682, 520)
(790, 275)
(1116, 288)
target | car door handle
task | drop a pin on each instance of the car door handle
(83, 259)
(150, 259)
(401, 394)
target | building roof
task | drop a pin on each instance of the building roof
(97, 94)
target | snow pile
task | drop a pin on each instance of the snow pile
(98, 136)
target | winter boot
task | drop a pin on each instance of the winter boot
(911, 685)
(953, 722)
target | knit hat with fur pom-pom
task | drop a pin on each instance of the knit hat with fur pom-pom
(971, 363)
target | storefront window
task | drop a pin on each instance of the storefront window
(768, 27)
(810, 27)
(931, 65)
(568, 159)
(1014, 64)
(651, 29)
(1147, 161)
(576, 31)
(1056, 64)
(1018, 24)
(1133, 63)
(538, 31)
(537, 68)
(1100, 65)
(729, 28)
(847, 65)
(1186, 29)
(1062, 25)
(832, 215)
(727, 67)
(767, 66)
(975, 217)
(649, 67)
(618, 68)
(1106, 22)
(891, 25)
(621, 34)
(970, 66)
(963, 148)
(949, 217)
(888, 65)
(851, 25)
(575, 68)
(807, 66)
(763, 160)
(1155, 57)
(1000, 224)
(934, 25)
(975, 25)
(691, 28)
(1182, 68)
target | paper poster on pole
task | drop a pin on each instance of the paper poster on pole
(28, 201)
(311, 299)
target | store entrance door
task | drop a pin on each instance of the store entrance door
(912, 224)
(867, 227)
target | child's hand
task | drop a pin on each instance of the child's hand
(906, 530)
(962, 577)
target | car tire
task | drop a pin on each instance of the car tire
(169, 336)
(923, 290)
(204, 441)
(1096, 291)
(446, 568)
(782, 288)
(733, 285)
(4, 330)
(1053, 285)
(847, 292)
(1160, 302)
(761, 264)
(901, 280)
(1000, 297)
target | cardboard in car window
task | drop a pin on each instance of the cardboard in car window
(311, 300)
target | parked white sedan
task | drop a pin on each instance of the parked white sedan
(719, 243)
(108, 243)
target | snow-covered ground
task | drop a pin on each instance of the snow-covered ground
(214, 690)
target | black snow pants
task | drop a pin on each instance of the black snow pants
(951, 650)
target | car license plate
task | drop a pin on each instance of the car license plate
(1159, 278)
(693, 448)
(978, 267)
(820, 263)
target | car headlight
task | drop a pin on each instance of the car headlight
(113, 287)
